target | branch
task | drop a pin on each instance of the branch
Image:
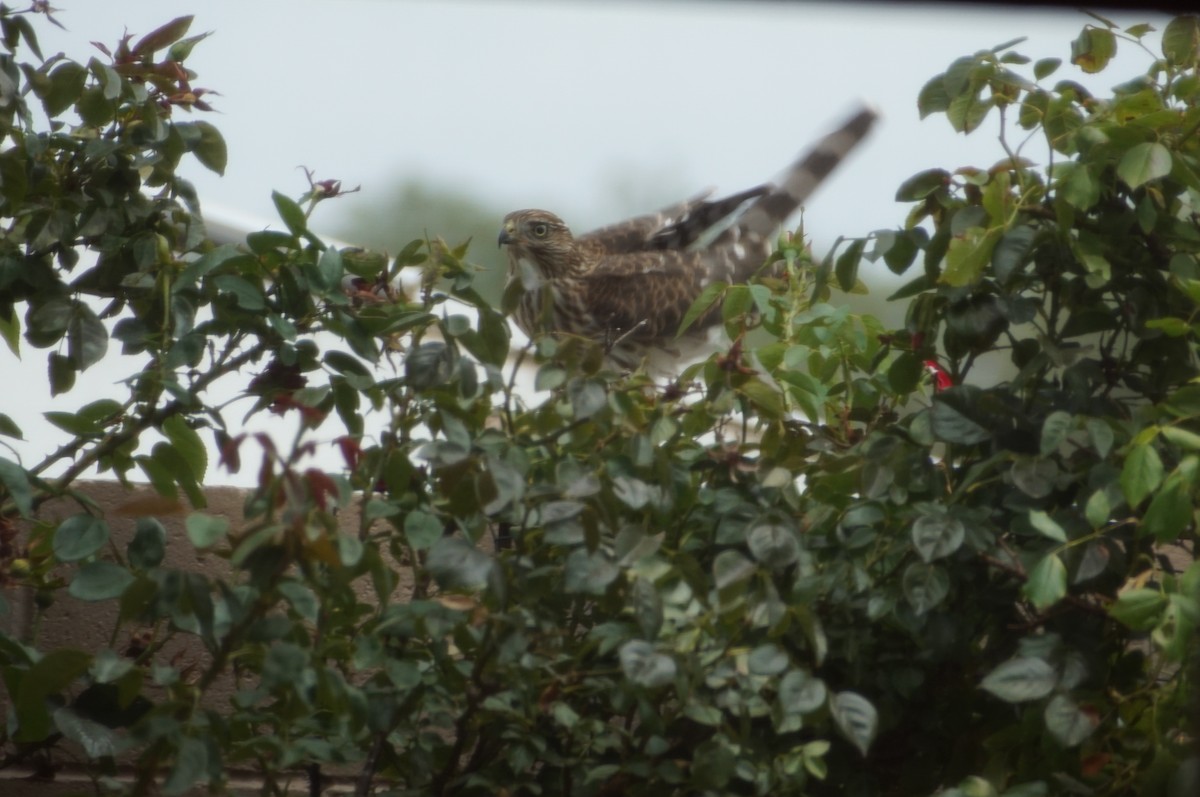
(155, 418)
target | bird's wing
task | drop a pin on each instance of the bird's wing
(653, 289)
(674, 227)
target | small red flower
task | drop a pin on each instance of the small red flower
(941, 379)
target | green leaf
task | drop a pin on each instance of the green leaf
(350, 550)
(180, 50)
(455, 563)
(96, 740)
(1034, 476)
(587, 397)
(1094, 48)
(148, 546)
(78, 537)
(968, 256)
(713, 764)
(1054, 431)
(738, 302)
(1143, 163)
(703, 302)
(647, 607)
(731, 568)
(16, 481)
(245, 294)
(1181, 437)
(768, 659)
(172, 463)
(922, 184)
(634, 493)
(66, 82)
(933, 97)
(1067, 723)
(205, 531)
(291, 213)
(1170, 326)
(1170, 511)
(1181, 41)
(904, 374)
(645, 666)
(87, 338)
(766, 398)
(1047, 582)
(302, 599)
(846, 267)
(211, 149)
(329, 266)
(1138, 608)
(1101, 435)
(204, 265)
(99, 581)
(159, 476)
(589, 573)
(855, 718)
(773, 543)
(1046, 526)
(9, 428)
(91, 419)
(800, 693)
(925, 586)
(951, 425)
(429, 365)
(187, 444)
(51, 674)
(936, 535)
(1021, 679)
(1098, 509)
(47, 322)
(191, 764)
(1045, 67)
(1095, 560)
(10, 330)
(1012, 251)
(162, 36)
(968, 110)
(1141, 474)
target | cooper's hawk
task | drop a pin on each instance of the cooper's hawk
(629, 285)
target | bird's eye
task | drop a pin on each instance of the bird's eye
(539, 230)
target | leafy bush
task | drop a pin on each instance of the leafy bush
(807, 567)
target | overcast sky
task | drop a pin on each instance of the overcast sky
(548, 104)
(554, 104)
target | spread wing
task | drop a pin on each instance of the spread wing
(674, 227)
(738, 250)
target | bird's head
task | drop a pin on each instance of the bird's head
(540, 237)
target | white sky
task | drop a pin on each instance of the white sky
(553, 104)
(537, 103)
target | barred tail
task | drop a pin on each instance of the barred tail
(747, 242)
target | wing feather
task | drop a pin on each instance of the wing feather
(651, 289)
(675, 227)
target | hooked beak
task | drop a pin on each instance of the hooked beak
(506, 234)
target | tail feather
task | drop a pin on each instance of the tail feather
(745, 244)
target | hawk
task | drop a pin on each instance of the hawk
(628, 285)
